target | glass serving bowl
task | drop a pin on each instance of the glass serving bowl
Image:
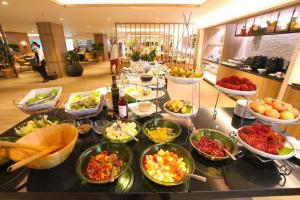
(123, 152)
(213, 134)
(180, 151)
(83, 126)
(98, 126)
(160, 123)
(121, 140)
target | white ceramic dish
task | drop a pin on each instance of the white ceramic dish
(182, 115)
(235, 92)
(134, 107)
(240, 107)
(268, 155)
(88, 111)
(139, 97)
(43, 106)
(272, 120)
(182, 80)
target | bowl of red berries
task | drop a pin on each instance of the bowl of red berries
(234, 85)
(262, 140)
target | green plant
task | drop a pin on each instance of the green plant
(136, 56)
(97, 46)
(71, 57)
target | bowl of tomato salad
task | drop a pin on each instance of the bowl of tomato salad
(103, 163)
(167, 164)
(210, 144)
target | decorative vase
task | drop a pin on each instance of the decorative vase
(256, 42)
(74, 69)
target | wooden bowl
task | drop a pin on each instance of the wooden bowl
(65, 134)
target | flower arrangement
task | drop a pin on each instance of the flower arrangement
(257, 32)
(144, 53)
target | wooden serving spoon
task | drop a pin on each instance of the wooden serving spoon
(20, 145)
(225, 150)
(36, 156)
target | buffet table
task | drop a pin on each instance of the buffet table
(246, 177)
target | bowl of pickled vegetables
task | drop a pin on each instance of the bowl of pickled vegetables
(121, 131)
(103, 163)
(167, 164)
(161, 130)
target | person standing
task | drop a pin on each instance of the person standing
(41, 63)
(114, 57)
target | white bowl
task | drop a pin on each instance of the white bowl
(182, 115)
(42, 106)
(272, 120)
(240, 107)
(268, 155)
(182, 80)
(235, 92)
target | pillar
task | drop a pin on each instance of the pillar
(54, 46)
(101, 39)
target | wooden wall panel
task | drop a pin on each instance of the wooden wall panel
(292, 96)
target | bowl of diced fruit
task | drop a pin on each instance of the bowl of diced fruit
(167, 164)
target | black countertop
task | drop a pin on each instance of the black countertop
(255, 73)
(227, 179)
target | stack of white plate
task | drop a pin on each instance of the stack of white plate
(240, 107)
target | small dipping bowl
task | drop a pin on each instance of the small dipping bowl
(83, 126)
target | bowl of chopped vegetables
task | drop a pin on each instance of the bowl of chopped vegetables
(211, 144)
(167, 164)
(161, 131)
(121, 131)
(37, 122)
(103, 163)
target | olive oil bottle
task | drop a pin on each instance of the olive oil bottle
(115, 94)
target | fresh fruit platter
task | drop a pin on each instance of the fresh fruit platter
(31, 125)
(235, 85)
(121, 132)
(40, 99)
(167, 164)
(274, 111)
(180, 108)
(184, 76)
(211, 144)
(83, 103)
(104, 166)
(262, 140)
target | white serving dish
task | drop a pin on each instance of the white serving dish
(135, 109)
(182, 80)
(137, 96)
(37, 107)
(181, 115)
(268, 155)
(88, 111)
(272, 120)
(240, 107)
(235, 92)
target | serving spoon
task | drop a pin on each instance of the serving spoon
(117, 127)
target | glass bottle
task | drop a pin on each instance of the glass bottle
(123, 106)
(115, 93)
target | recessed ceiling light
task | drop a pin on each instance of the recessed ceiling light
(61, 19)
(74, 33)
(4, 3)
(108, 19)
(88, 26)
(32, 31)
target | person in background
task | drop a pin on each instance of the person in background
(114, 57)
(41, 63)
(11, 59)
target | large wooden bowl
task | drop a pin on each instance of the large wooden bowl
(58, 134)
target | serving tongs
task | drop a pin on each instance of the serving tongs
(41, 100)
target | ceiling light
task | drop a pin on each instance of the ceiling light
(32, 31)
(33, 35)
(126, 2)
(88, 26)
(61, 19)
(108, 19)
(4, 3)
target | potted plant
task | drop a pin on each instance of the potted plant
(73, 66)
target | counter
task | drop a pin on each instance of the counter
(227, 179)
(267, 86)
